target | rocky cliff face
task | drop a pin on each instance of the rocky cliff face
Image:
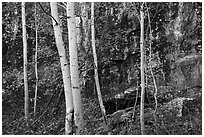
(187, 72)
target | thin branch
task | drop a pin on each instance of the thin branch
(154, 81)
(48, 14)
(134, 109)
(40, 116)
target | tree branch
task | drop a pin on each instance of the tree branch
(48, 13)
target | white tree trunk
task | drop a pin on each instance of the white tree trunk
(142, 69)
(103, 111)
(25, 62)
(76, 91)
(65, 69)
(36, 57)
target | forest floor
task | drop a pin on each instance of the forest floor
(190, 123)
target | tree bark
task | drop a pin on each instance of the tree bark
(36, 59)
(142, 69)
(25, 62)
(76, 91)
(65, 69)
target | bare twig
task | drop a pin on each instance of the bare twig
(48, 13)
(134, 109)
(154, 81)
(40, 116)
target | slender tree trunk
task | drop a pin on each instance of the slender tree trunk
(142, 69)
(36, 65)
(65, 69)
(76, 91)
(153, 77)
(103, 111)
(25, 62)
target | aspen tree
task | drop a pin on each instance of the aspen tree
(142, 69)
(76, 91)
(25, 62)
(36, 57)
(64, 68)
(103, 111)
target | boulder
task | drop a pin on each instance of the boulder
(125, 100)
(175, 106)
(186, 72)
(182, 106)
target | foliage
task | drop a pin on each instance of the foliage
(117, 30)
